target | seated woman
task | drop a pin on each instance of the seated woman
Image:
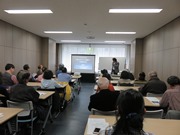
(40, 77)
(47, 81)
(141, 79)
(124, 79)
(131, 109)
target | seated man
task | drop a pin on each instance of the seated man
(104, 99)
(64, 76)
(154, 85)
(8, 79)
(171, 98)
(61, 66)
(22, 93)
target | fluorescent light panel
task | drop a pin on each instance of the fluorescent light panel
(74, 41)
(120, 32)
(31, 11)
(58, 32)
(135, 10)
(114, 41)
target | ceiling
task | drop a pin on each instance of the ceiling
(90, 18)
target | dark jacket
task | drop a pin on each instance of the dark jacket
(105, 100)
(154, 85)
(22, 92)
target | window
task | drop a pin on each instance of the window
(97, 50)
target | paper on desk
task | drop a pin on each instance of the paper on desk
(1, 115)
(96, 123)
(41, 93)
(154, 100)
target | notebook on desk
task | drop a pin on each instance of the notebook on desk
(154, 100)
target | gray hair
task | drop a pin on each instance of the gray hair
(153, 74)
(103, 83)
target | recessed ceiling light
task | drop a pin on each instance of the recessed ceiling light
(72, 41)
(135, 10)
(59, 32)
(114, 41)
(31, 11)
(120, 32)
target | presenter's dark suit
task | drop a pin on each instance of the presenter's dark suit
(105, 100)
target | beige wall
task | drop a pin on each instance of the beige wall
(49, 53)
(161, 51)
(19, 47)
(136, 57)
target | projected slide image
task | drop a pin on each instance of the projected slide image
(83, 63)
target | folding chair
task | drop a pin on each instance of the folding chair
(25, 116)
(173, 114)
(95, 111)
(154, 114)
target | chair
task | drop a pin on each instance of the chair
(154, 114)
(173, 114)
(26, 116)
(95, 111)
(153, 95)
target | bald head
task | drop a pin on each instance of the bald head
(103, 83)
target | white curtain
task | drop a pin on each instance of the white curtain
(97, 50)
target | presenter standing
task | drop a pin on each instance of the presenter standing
(115, 66)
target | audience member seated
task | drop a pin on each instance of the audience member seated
(171, 98)
(141, 76)
(39, 72)
(61, 66)
(131, 76)
(154, 85)
(130, 105)
(47, 81)
(104, 99)
(8, 79)
(21, 93)
(27, 69)
(110, 87)
(124, 79)
(104, 71)
(40, 77)
(64, 76)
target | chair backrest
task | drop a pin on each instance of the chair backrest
(27, 106)
(154, 114)
(173, 114)
(96, 112)
(153, 95)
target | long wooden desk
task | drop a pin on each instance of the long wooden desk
(155, 126)
(34, 84)
(38, 84)
(118, 88)
(6, 114)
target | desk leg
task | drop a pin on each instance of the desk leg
(49, 115)
(9, 127)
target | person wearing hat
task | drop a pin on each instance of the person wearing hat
(171, 98)
(154, 85)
